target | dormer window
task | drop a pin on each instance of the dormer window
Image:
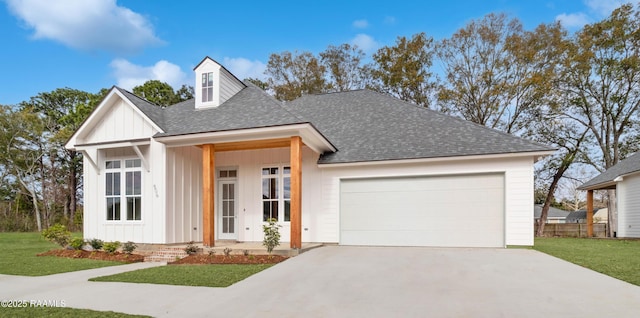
(207, 87)
(214, 84)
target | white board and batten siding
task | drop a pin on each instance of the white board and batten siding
(249, 165)
(121, 122)
(628, 195)
(517, 174)
(184, 195)
(151, 227)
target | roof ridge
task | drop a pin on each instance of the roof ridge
(336, 92)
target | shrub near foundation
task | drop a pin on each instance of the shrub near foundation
(96, 244)
(129, 247)
(271, 235)
(58, 234)
(77, 243)
(191, 248)
(111, 247)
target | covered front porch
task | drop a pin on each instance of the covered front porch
(238, 180)
(590, 208)
(209, 203)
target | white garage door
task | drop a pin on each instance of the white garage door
(451, 211)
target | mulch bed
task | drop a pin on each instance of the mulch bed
(97, 255)
(231, 259)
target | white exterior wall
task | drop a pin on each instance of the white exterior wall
(225, 85)
(518, 190)
(249, 165)
(92, 218)
(121, 122)
(320, 188)
(184, 195)
(229, 86)
(150, 229)
(628, 194)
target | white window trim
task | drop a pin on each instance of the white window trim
(281, 199)
(205, 87)
(123, 189)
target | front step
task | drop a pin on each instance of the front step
(166, 254)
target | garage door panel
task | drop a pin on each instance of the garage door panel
(423, 211)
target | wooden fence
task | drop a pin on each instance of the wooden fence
(572, 230)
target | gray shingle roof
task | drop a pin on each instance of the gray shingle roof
(362, 124)
(577, 216)
(250, 108)
(370, 126)
(553, 212)
(626, 166)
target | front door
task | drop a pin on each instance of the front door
(228, 220)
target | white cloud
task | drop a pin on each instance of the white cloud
(243, 68)
(360, 24)
(129, 75)
(597, 9)
(86, 25)
(573, 19)
(603, 7)
(365, 42)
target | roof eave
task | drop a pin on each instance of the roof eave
(311, 137)
(534, 154)
(608, 184)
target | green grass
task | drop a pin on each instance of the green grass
(59, 312)
(188, 275)
(19, 257)
(615, 258)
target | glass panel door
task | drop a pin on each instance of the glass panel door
(228, 215)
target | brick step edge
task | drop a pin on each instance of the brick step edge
(166, 255)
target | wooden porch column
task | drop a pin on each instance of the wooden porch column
(208, 201)
(590, 213)
(296, 192)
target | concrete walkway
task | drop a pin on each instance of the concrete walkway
(338, 281)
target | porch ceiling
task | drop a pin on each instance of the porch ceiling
(253, 144)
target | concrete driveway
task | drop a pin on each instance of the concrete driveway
(339, 281)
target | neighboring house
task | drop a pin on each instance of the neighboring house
(601, 215)
(580, 216)
(554, 215)
(354, 168)
(624, 177)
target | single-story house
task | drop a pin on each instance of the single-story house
(353, 168)
(554, 215)
(624, 177)
(580, 216)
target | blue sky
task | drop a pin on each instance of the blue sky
(94, 44)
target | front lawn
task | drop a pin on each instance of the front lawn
(19, 257)
(60, 312)
(615, 258)
(188, 275)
